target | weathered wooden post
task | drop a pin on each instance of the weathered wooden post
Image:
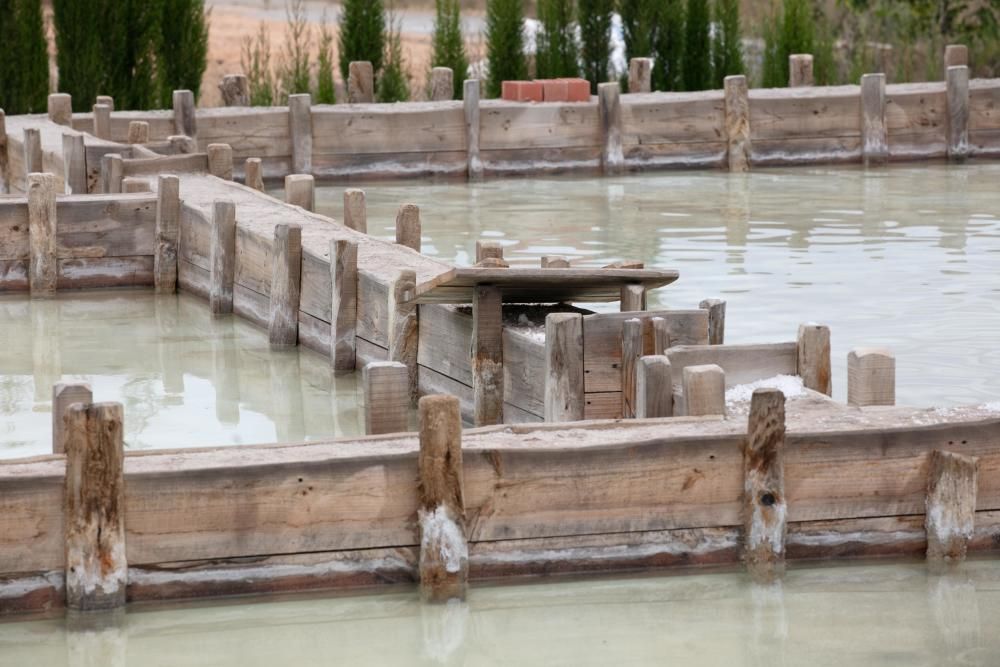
(633, 297)
(704, 389)
(554, 262)
(490, 254)
(564, 388)
(800, 70)
(610, 111)
(60, 108)
(75, 163)
(958, 113)
(4, 155)
(168, 213)
(222, 257)
(442, 85)
(300, 190)
(640, 75)
(254, 173)
(716, 320)
(134, 184)
(96, 570)
(444, 552)
(737, 101)
(470, 102)
(33, 151)
(661, 334)
(344, 310)
(181, 144)
(632, 346)
(764, 505)
(403, 325)
(138, 132)
(408, 226)
(65, 394)
(286, 282)
(654, 388)
(112, 172)
(106, 100)
(102, 121)
(387, 397)
(355, 210)
(487, 355)
(952, 480)
(185, 120)
(871, 377)
(874, 136)
(360, 83)
(220, 161)
(43, 265)
(300, 122)
(235, 90)
(955, 55)
(814, 365)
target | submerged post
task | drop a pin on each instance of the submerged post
(442, 86)
(185, 121)
(874, 136)
(958, 113)
(737, 101)
(704, 389)
(764, 505)
(102, 121)
(60, 108)
(654, 388)
(344, 309)
(387, 397)
(43, 265)
(300, 190)
(32, 150)
(355, 210)
(168, 212)
(444, 552)
(640, 75)
(300, 122)
(632, 345)
(951, 507)
(610, 111)
(220, 161)
(360, 83)
(138, 132)
(800, 70)
(487, 355)
(564, 389)
(871, 377)
(222, 257)
(403, 325)
(716, 320)
(814, 365)
(286, 276)
(75, 163)
(65, 394)
(253, 174)
(112, 172)
(408, 226)
(470, 103)
(96, 569)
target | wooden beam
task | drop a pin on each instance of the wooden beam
(654, 388)
(704, 389)
(952, 480)
(60, 108)
(408, 226)
(75, 163)
(610, 112)
(355, 210)
(102, 121)
(185, 120)
(958, 113)
(871, 377)
(254, 174)
(632, 346)
(112, 172)
(470, 104)
(344, 309)
(442, 84)
(640, 75)
(360, 83)
(661, 334)
(387, 397)
(403, 326)
(168, 212)
(138, 132)
(444, 553)
(814, 358)
(874, 136)
(487, 355)
(716, 320)
(633, 298)
(765, 507)
(43, 269)
(33, 162)
(65, 394)
(222, 257)
(286, 284)
(135, 184)
(564, 378)
(96, 569)
(300, 122)
(235, 90)
(220, 161)
(737, 102)
(800, 70)
(300, 190)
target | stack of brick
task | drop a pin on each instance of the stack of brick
(547, 90)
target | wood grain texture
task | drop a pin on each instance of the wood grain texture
(958, 113)
(716, 320)
(360, 83)
(386, 386)
(112, 173)
(874, 136)
(408, 226)
(952, 481)
(654, 388)
(661, 334)
(814, 363)
(403, 326)
(138, 132)
(564, 370)
(640, 75)
(300, 190)
(800, 70)
(253, 174)
(222, 257)
(355, 210)
(65, 394)
(102, 121)
(871, 377)
(742, 363)
(738, 123)
(60, 108)
(220, 161)
(168, 211)
(610, 112)
(633, 298)
(470, 105)
(185, 120)
(632, 349)
(765, 507)
(301, 127)
(487, 355)
(704, 389)
(442, 84)
(75, 163)
(344, 307)
(134, 185)
(286, 284)
(33, 151)
(43, 266)
(235, 90)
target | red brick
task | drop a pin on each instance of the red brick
(522, 91)
(577, 90)
(555, 90)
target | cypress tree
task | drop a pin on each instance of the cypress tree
(785, 34)
(24, 76)
(504, 44)
(556, 53)
(129, 40)
(182, 48)
(639, 21)
(294, 70)
(595, 35)
(326, 91)
(256, 62)
(697, 46)
(727, 51)
(362, 34)
(448, 46)
(394, 82)
(668, 46)
(79, 54)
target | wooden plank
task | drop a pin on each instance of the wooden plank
(101, 272)
(564, 368)
(633, 298)
(260, 132)
(654, 388)
(185, 119)
(60, 108)
(800, 70)
(75, 163)
(408, 226)
(632, 350)
(765, 506)
(875, 139)
(355, 210)
(65, 394)
(640, 75)
(133, 185)
(487, 355)
(678, 118)
(375, 129)
(360, 83)
(704, 390)
(154, 166)
(43, 267)
(222, 258)
(814, 365)
(470, 105)
(402, 327)
(344, 307)
(386, 387)
(514, 125)
(253, 174)
(661, 334)
(33, 151)
(952, 480)
(871, 377)
(442, 84)
(168, 206)
(138, 132)
(827, 112)
(958, 113)
(286, 280)
(742, 363)
(112, 172)
(220, 161)
(716, 320)
(300, 126)
(300, 190)
(610, 112)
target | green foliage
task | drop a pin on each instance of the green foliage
(362, 34)
(255, 59)
(639, 21)
(504, 44)
(595, 36)
(697, 46)
(293, 74)
(556, 54)
(326, 91)
(24, 66)
(824, 61)
(447, 44)
(182, 48)
(668, 43)
(130, 39)
(394, 83)
(788, 32)
(79, 55)
(727, 51)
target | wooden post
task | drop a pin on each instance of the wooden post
(185, 121)
(661, 335)
(220, 161)
(610, 111)
(4, 155)
(738, 122)
(112, 169)
(43, 266)
(344, 310)
(654, 388)
(490, 254)
(254, 174)
(955, 55)
(138, 132)
(716, 320)
(106, 100)
(640, 75)
(704, 389)
(800, 70)
(102, 121)
(633, 297)
(360, 83)
(182, 145)
(958, 113)
(355, 210)
(96, 570)
(871, 377)
(300, 190)
(286, 282)
(444, 553)
(952, 480)
(874, 136)
(403, 326)
(222, 257)
(764, 505)
(75, 163)
(60, 107)
(65, 394)
(442, 84)
(133, 184)
(300, 122)
(408, 226)
(470, 102)
(554, 262)
(33, 151)
(168, 212)
(387, 397)
(235, 90)
(487, 355)
(632, 346)
(564, 390)
(814, 366)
